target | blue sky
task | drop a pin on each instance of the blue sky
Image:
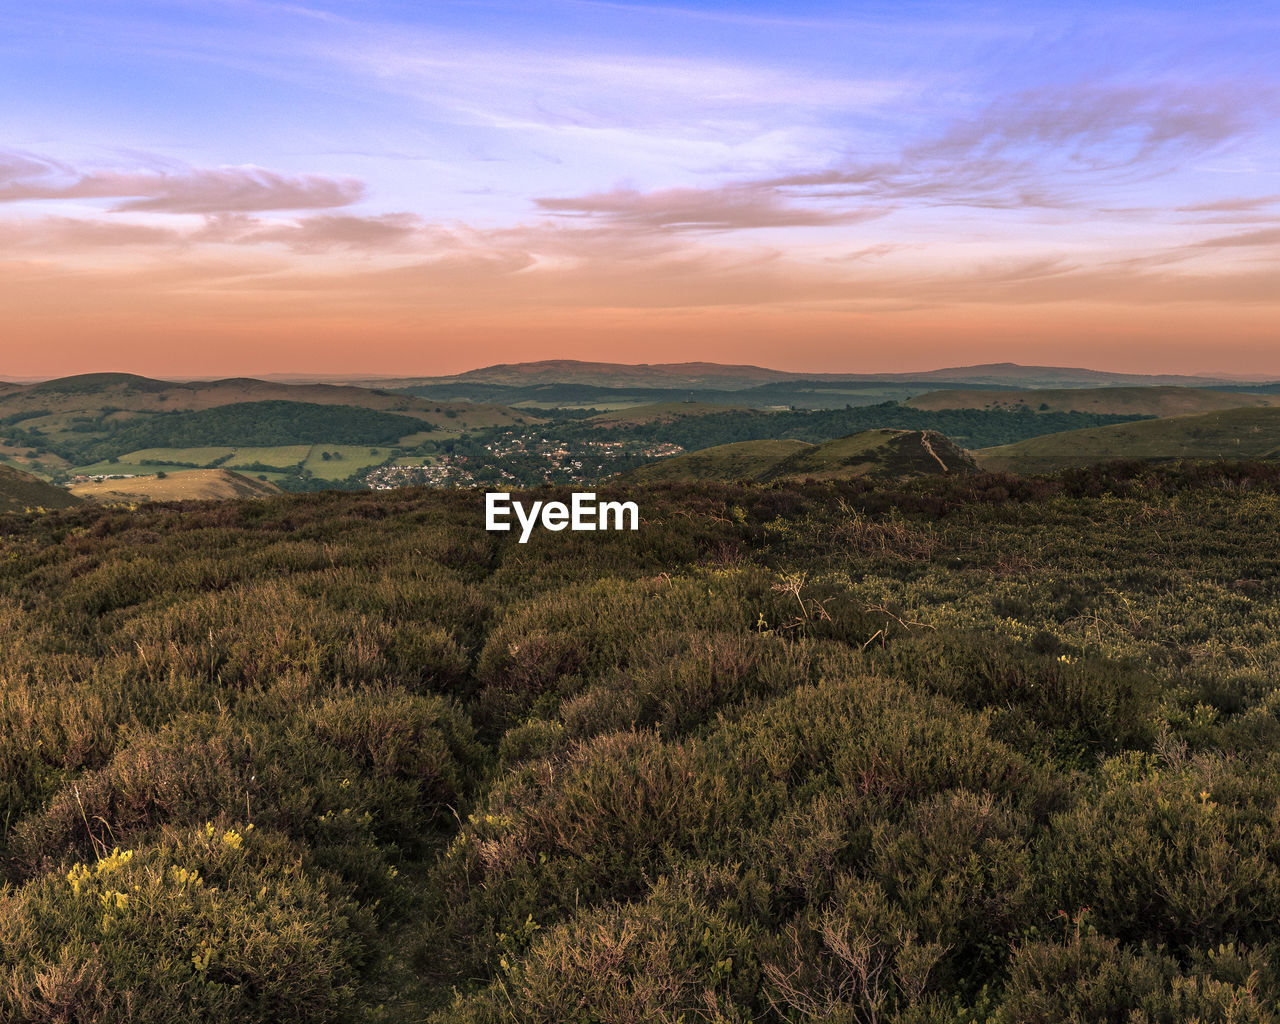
(817, 185)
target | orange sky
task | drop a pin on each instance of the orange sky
(391, 189)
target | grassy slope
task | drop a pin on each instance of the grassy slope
(875, 453)
(187, 485)
(19, 491)
(869, 453)
(742, 460)
(1144, 401)
(1230, 434)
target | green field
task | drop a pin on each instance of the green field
(282, 456)
(413, 440)
(195, 456)
(128, 466)
(355, 459)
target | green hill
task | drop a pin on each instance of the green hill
(1233, 434)
(268, 423)
(19, 491)
(879, 453)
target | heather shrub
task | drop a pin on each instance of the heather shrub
(220, 922)
(841, 751)
(629, 963)
(1089, 703)
(354, 777)
(1089, 977)
(858, 958)
(1186, 858)
(959, 867)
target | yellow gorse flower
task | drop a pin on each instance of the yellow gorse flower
(80, 874)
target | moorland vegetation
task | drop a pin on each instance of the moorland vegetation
(973, 748)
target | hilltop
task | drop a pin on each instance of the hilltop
(1141, 401)
(573, 371)
(871, 453)
(19, 491)
(1232, 434)
(188, 485)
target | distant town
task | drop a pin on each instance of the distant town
(521, 460)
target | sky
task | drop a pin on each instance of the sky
(420, 187)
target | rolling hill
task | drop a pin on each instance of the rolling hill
(189, 485)
(664, 375)
(58, 426)
(876, 453)
(130, 393)
(1233, 434)
(1141, 401)
(20, 491)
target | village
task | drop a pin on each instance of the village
(520, 461)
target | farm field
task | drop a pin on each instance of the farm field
(181, 485)
(343, 461)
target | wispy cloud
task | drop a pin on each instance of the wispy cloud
(1097, 126)
(319, 233)
(733, 207)
(1263, 236)
(1233, 204)
(1054, 148)
(63, 234)
(174, 188)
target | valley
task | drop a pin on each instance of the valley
(108, 436)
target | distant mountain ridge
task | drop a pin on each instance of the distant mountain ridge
(730, 377)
